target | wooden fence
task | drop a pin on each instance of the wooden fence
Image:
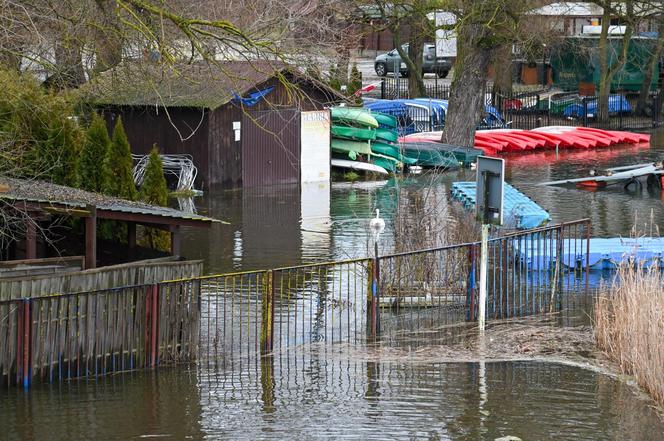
(134, 273)
(94, 333)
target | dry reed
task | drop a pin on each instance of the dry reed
(629, 325)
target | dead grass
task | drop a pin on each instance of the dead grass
(629, 325)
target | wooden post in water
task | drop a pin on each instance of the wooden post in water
(267, 313)
(91, 239)
(154, 333)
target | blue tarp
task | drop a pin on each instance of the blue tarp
(519, 211)
(253, 98)
(617, 104)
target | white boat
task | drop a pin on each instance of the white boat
(615, 175)
(358, 166)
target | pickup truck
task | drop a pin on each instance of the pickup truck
(386, 63)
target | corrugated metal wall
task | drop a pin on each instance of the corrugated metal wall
(270, 147)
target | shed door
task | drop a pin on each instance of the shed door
(270, 147)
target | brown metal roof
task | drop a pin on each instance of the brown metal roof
(46, 194)
(188, 85)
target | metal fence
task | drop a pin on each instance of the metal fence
(528, 110)
(227, 318)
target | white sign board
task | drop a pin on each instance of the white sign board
(315, 146)
(490, 190)
(446, 40)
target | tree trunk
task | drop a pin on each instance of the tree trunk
(642, 102)
(413, 60)
(502, 83)
(466, 105)
(603, 47)
(108, 39)
(607, 73)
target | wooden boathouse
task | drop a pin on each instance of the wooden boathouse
(41, 205)
(209, 110)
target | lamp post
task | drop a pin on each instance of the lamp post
(377, 226)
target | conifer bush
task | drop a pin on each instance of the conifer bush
(94, 174)
(154, 191)
(119, 166)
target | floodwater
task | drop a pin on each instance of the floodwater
(324, 393)
(288, 225)
(320, 396)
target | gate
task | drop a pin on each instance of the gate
(270, 147)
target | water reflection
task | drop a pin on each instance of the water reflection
(324, 394)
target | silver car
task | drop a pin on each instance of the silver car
(389, 62)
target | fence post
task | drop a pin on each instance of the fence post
(24, 343)
(382, 89)
(151, 325)
(267, 313)
(588, 226)
(585, 111)
(621, 110)
(371, 299)
(470, 294)
(154, 332)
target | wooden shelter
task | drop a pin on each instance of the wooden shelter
(37, 202)
(201, 109)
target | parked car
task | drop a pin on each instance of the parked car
(386, 63)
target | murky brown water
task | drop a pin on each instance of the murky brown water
(312, 395)
(315, 396)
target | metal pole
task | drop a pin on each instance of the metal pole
(483, 273)
(376, 287)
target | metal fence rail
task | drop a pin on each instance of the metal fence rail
(528, 273)
(238, 317)
(528, 110)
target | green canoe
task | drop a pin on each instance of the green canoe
(390, 164)
(392, 151)
(353, 116)
(388, 135)
(354, 133)
(385, 120)
(428, 155)
(351, 148)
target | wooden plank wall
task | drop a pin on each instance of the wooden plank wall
(90, 334)
(135, 273)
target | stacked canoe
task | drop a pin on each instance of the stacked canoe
(357, 135)
(369, 137)
(493, 142)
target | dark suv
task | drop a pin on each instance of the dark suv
(386, 63)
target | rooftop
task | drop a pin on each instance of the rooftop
(48, 195)
(206, 85)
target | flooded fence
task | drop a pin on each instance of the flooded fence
(94, 333)
(237, 317)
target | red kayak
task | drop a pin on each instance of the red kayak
(598, 139)
(494, 145)
(513, 143)
(615, 138)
